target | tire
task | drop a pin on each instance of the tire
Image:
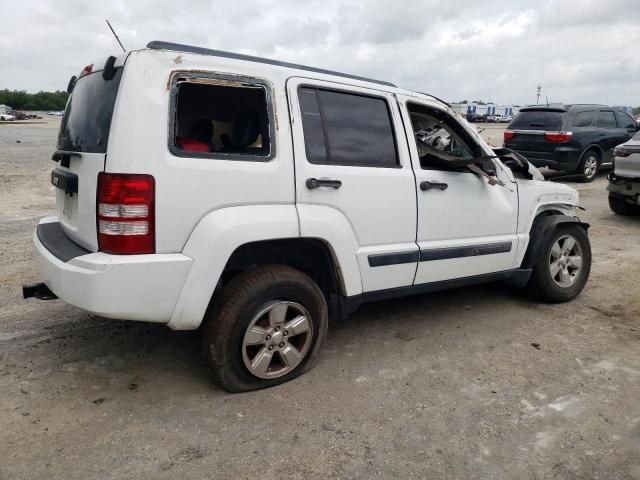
(547, 287)
(246, 326)
(589, 166)
(620, 206)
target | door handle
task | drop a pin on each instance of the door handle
(313, 183)
(424, 186)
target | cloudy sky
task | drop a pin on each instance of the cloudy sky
(578, 50)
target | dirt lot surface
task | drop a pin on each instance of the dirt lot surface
(444, 386)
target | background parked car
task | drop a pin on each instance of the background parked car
(505, 118)
(624, 181)
(572, 138)
(475, 117)
(6, 117)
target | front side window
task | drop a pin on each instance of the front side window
(606, 119)
(625, 121)
(442, 143)
(217, 118)
(584, 119)
(347, 129)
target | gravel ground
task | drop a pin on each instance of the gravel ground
(443, 386)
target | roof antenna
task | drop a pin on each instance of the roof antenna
(547, 98)
(115, 35)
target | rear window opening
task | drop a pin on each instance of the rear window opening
(87, 117)
(219, 118)
(538, 120)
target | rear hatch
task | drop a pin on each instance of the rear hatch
(526, 133)
(82, 148)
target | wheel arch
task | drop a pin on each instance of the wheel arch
(312, 256)
(596, 148)
(544, 225)
(238, 233)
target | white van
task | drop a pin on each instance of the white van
(256, 198)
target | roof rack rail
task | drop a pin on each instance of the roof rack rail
(587, 105)
(160, 45)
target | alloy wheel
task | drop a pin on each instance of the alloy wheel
(565, 261)
(277, 339)
(590, 166)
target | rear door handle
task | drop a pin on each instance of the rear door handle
(313, 183)
(424, 186)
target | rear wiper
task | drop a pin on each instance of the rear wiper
(63, 157)
(537, 125)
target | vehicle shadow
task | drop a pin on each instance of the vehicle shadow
(119, 355)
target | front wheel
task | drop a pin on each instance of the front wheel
(563, 265)
(266, 328)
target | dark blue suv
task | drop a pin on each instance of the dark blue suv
(572, 138)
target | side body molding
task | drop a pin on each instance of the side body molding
(211, 244)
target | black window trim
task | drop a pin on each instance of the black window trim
(324, 130)
(614, 119)
(622, 112)
(440, 169)
(594, 118)
(178, 77)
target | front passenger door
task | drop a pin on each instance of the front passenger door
(466, 227)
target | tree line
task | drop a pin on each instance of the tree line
(21, 100)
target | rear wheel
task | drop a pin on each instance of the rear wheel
(620, 206)
(589, 166)
(563, 265)
(267, 328)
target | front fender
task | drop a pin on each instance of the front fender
(211, 244)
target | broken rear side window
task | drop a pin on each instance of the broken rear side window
(219, 118)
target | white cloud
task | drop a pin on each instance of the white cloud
(495, 50)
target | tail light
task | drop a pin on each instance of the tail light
(125, 213)
(558, 137)
(508, 135)
(621, 152)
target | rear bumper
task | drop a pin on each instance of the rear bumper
(624, 187)
(128, 287)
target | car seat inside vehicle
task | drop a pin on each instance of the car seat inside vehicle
(215, 117)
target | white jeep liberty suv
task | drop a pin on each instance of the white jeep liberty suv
(256, 198)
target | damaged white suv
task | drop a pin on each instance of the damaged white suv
(257, 198)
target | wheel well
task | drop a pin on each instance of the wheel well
(309, 255)
(594, 148)
(544, 224)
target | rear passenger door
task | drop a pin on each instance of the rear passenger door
(627, 126)
(352, 164)
(610, 134)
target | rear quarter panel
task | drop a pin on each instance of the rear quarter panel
(187, 189)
